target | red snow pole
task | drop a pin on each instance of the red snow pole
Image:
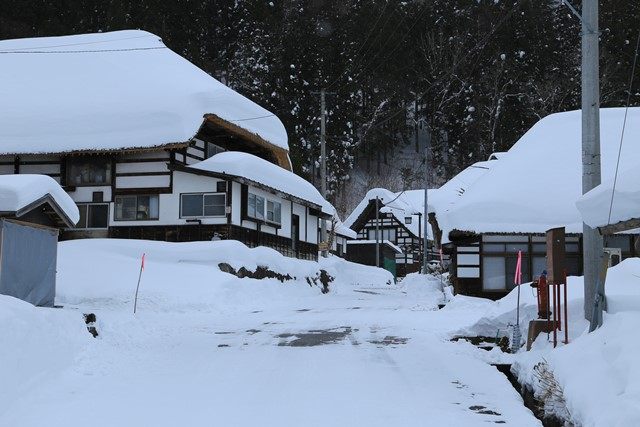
(135, 300)
(566, 310)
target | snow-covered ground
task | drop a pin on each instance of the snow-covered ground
(208, 348)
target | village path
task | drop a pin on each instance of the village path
(362, 359)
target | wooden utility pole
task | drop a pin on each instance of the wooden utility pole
(425, 244)
(592, 242)
(323, 166)
(377, 233)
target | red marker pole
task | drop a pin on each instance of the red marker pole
(135, 300)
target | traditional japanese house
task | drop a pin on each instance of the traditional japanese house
(127, 127)
(531, 189)
(399, 221)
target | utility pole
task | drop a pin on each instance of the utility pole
(377, 233)
(425, 251)
(591, 175)
(323, 166)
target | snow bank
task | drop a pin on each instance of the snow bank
(186, 276)
(535, 186)
(598, 372)
(106, 91)
(236, 163)
(34, 343)
(19, 191)
(426, 290)
(594, 206)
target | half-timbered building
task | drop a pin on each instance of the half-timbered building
(531, 189)
(149, 146)
(397, 218)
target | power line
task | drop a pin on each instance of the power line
(252, 118)
(79, 44)
(402, 39)
(624, 125)
(27, 52)
(355, 60)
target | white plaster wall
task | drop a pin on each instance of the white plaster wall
(312, 229)
(285, 214)
(169, 204)
(85, 194)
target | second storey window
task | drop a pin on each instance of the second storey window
(264, 209)
(256, 206)
(136, 208)
(202, 205)
(274, 211)
(385, 234)
(88, 171)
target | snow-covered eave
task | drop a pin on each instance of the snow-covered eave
(90, 151)
(395, 248)
(245, 180)
(281, 155)
(384, 209)
(45, 199)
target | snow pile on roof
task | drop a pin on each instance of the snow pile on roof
(403, 204)
(107, 91)
(444, 197)
(19, 191)
(594, 206)
(258, 170)
(535, 186)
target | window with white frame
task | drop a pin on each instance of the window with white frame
(137, 207)
(202, 205)
(274, 211)
(264, 209)
(93, 215)
(255, 206)
(385, 234)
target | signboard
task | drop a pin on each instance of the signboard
(556, 255)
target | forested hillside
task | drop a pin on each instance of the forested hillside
(469, 75)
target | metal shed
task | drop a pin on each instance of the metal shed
(28, 255)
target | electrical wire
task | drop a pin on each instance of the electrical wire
(624, 124)
(27, 52)
(79, 44)
(363, 44)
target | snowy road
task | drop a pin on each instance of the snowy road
(361, 359)
(208, 348)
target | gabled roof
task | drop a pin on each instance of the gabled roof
(625, 205)
(403, 204)
(20, 194)
(263, 173)
(111, 91)
(535, 186)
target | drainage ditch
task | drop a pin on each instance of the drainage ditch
(536, 406)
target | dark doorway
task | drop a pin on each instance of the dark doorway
(295, 232)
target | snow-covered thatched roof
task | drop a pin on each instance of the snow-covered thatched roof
(20, 194)
(534, 187)
(110, 91)
(262, 172)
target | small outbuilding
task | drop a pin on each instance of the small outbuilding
(33, 208)
(364, 252)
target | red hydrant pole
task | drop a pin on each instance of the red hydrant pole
(566, 311)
